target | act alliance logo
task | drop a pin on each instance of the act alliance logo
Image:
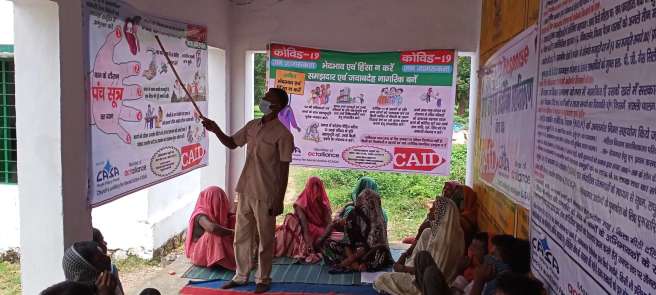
(108, 172)
(542, 247)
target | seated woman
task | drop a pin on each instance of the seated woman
(211, 231)
(364, 183)
(466, 201)
(444, 240)
(301, 229)
(364, 246)
(429, 279)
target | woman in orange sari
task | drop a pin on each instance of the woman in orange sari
(301, 229)
(211, 231)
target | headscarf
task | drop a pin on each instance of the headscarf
(369, 204)
(77, 268)
(364, 183)
(307, 200)
(444, 240)
(214, 204)
(466, 201)
(453, 190)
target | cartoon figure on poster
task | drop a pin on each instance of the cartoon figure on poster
(345, 96)
(431, 95)
(110, 89)
(391, 96)
(151, 71)
(320, 95)
(312, 133)
(131, 27)
(196, 88)
(150, 117)
(159, 118)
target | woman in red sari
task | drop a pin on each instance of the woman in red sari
(301, 229)
(211, 231)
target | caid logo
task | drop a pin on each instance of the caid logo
(192, 155)
(297, 150)
(107, 173)
(542, 247)
(416, 159)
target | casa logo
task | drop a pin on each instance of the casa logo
(192, 155)
(416, 159)
(297, 150)
(107, 173)
(542, 248)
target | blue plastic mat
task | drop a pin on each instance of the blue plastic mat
(288, 288)
(286, 270)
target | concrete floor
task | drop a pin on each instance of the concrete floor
(167, 280)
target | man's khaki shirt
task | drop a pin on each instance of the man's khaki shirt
(269, 144)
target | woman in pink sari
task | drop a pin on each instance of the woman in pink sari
(301, 229)
(211, 231)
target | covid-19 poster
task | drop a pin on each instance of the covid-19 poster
(390, 111)
(143, 128)
(593, 212)
(507, 117)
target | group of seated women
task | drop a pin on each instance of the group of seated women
(446, 247)
(355, 240)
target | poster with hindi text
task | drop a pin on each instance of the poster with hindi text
(143, 128)
(388, 111)
(593, 212)
(507, 117)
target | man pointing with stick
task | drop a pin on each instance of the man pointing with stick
(262, 184)
(261, 187)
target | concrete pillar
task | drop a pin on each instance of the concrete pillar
(216, 172)
(473, 115)
(52, 137)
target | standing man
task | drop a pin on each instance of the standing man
(261, 187)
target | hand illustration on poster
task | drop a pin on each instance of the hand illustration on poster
(109, 89)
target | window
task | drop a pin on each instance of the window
(7, 123)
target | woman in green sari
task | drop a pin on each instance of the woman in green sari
(364, 183)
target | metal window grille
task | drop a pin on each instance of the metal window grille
(8, 163)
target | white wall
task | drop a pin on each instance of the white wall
(47, 226)
(53, 133)
(347, 25)
(9, 223)
(6, 22)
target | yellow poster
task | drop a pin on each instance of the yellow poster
(292, 82)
